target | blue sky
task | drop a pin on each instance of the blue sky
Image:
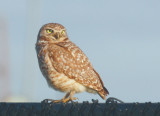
(121, 39)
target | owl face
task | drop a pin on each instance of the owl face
(53, 32)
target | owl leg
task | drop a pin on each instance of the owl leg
(64, 99)
(70, 97)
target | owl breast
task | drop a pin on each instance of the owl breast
(56, 80)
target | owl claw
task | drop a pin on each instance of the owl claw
(57, 101)
(68, 99)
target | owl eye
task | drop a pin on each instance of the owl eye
(63, 32)
(49, 30)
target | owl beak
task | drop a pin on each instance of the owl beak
(57, 35)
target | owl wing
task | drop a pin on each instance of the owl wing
(69, 59)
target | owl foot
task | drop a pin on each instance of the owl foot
(57, 101)
(69, 99)
(63, 100)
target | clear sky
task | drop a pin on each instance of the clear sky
(120, 37)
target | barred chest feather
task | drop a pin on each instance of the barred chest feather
(56, 80)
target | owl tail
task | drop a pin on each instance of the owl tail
(103, 93)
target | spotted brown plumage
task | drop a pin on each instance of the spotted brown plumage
(64, 65)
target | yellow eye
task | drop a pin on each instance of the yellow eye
(49, 30)
(63, 32)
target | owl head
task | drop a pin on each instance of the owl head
(52, 32)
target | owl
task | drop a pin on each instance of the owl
(64, 65)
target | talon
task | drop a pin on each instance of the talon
(57, 101)
(66, 100)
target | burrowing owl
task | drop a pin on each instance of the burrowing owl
(64, 65)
